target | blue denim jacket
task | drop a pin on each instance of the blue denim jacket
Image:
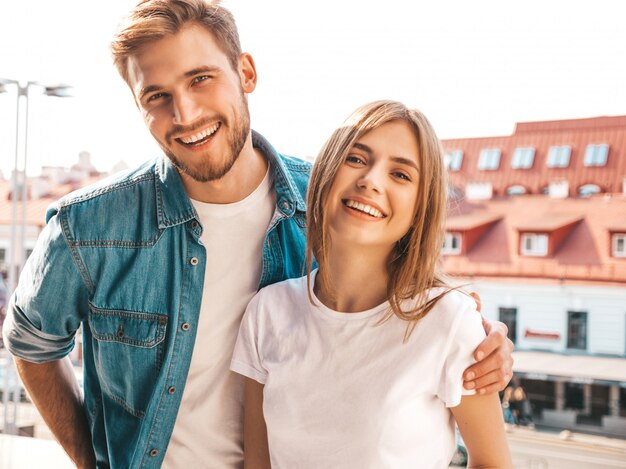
(123, 258)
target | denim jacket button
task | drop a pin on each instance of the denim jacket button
(194, 224)
(194, 261)
(185, 326)
(154, 452)
(171, 390)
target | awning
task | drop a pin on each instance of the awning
(548, 366)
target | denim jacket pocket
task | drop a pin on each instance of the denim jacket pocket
(128, 352)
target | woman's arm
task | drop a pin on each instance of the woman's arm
(480, 422)
(255, 447)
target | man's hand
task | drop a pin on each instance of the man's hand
(494, 369)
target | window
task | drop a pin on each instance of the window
(523, 158)
(596, 155)
(577, 330)
(509, 317)
(3, 257)
(27, 254)
(619, 244)
(588, 190)
(479, 191)
(534, 244)
(489, 159)
(516, 190)
(558, 156)
(451, 244)
(453, 160)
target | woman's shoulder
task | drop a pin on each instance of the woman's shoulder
(452, 306)
(280, 295)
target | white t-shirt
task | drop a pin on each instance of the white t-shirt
(209, 427)
(343, 392)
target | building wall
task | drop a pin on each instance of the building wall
(544, 308)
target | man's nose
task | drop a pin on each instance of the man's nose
(186, 110)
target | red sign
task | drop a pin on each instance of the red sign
(530, 334)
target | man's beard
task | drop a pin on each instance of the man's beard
(206, 170)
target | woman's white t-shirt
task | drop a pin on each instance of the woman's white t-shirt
(343, 392)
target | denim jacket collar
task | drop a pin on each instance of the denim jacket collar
(174, 206)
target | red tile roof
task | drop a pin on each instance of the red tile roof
(36, 209)
(577, 133)
(584, 254)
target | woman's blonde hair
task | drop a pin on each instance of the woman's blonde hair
(413, 263)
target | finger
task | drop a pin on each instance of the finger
(490, 382)
(498, 361)
(477, 300)
(491, 343)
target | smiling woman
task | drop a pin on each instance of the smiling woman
(330, 382)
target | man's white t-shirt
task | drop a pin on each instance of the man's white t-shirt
(342, 391)
(209, 427)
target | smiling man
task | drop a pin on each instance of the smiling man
(158, 264)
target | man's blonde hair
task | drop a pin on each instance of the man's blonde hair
(413, 263)
(152, 20)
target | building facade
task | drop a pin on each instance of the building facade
(537, 226)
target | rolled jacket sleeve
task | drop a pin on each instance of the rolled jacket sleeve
(50, 300)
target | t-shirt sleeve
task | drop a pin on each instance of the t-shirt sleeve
(466, 334)
(246, 357)
(49, 302)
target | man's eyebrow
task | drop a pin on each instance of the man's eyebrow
(203, 69)
(148, 89)
(190, 73)
(396, 159)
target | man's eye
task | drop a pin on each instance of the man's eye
(155, 96)
(201, 78)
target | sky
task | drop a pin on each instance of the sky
(474, 68)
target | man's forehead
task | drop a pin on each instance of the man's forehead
(172, 57)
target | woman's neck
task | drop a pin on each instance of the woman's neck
(358, 278)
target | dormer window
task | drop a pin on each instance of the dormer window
(451, 244)
(558, 156)
(618, 245)
(489, 159)
(534, 244)
(596, 155)
(588, 190)
(523, 158)
(453, 160)
(515, 190)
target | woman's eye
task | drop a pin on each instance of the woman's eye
(354, 159)
(401, 175)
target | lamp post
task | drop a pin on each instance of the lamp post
(19, 187)
(19, 195)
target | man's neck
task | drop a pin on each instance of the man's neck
(242, 179)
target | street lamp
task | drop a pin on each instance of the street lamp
(23, 91)
(19, 191)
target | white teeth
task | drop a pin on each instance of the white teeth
(200, 135)
(364, 208)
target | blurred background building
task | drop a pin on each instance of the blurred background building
(537, 226)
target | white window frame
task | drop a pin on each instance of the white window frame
(449, 238)
(523, 158)
(615, 241)
(538, 244)
(517, 191)
(587, 192)
(559, 156)
(453, 160)
(596, 154)
(489, 159)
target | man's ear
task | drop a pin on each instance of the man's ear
(247, 73)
